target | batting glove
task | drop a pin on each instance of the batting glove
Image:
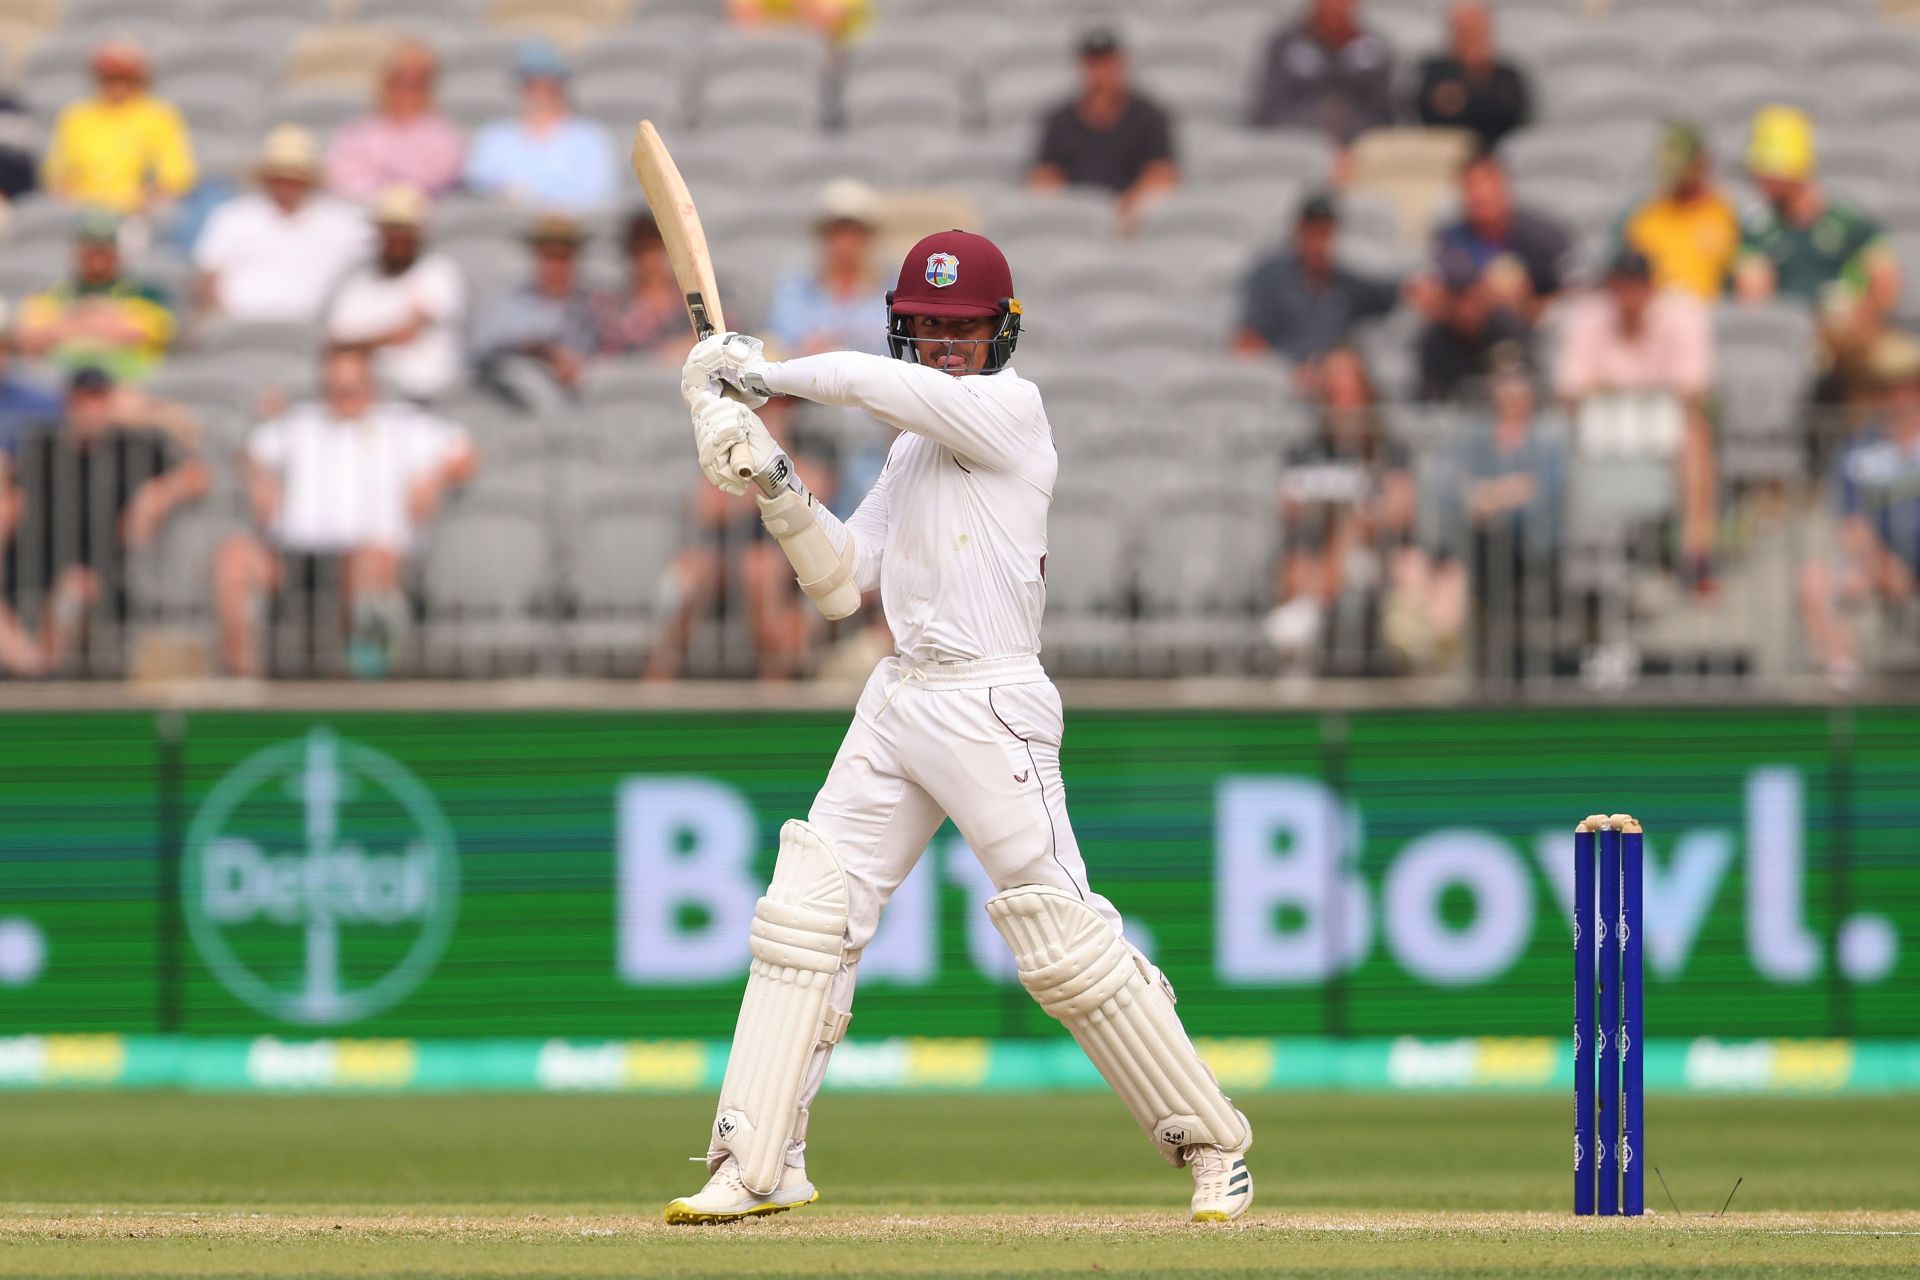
(722, 426)
(726, 361)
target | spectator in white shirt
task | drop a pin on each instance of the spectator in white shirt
(276, 254)
(405, 305)
(341, 490)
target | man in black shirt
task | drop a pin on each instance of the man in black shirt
(1108, 136)
(1326, 72)
(1470, 86)
(1301, 303)
(84, 492)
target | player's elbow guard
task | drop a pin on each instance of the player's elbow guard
(825, 574)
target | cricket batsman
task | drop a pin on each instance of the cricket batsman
(961, 722)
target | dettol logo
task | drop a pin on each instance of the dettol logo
(320, 880)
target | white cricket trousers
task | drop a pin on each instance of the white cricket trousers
(978, 742)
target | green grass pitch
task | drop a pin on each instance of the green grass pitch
(149, 1185)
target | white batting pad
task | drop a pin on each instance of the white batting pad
(1121, 1011)
(799, 932)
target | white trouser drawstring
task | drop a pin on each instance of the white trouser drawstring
(906, 673)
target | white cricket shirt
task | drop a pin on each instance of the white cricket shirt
(344, 482)
(954, 532)
(271, 265)
(370, 303)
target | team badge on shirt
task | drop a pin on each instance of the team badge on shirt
(943, 269)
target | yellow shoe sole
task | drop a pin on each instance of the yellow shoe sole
(678, 1214)
(1213, 1215)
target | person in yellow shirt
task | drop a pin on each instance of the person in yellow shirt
(100, 317)
(1689, 231)
(121, 149)
(839, 20)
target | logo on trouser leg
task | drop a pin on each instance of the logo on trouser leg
(1021, 777)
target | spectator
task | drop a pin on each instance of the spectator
(23, 406)
(1803, 244)
(1347, 503)
(1877, 493)
(547, 157)
(837, 305)
(1108, 135)
(277, 253)
(92, 485)
(545, 326)
(19, 137)
(405, 306)
(1300, 303)
(840, 303)
(1495, 236)
(100, 317)
(1471, 86)
(405, 142)
(838, 20)
(341, 490)
(1688, 231)
(1466, 325)
(1505, 521)
(122, 148)
(1636, 363)
(648, 315)
(1326, 73)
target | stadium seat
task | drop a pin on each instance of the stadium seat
(1012, 97)
(1209, 155)
(768, 100)
(1723, 52)
(343, 59)
(1190, 211)
(421, 16)
(216, 14)
(1076, 213)
(569, 23)
(171, 581)
(621, 101)
(776, 53)
(1198, 96)
(618, 553)
(990, 159)
(888, 100)
(486, 574)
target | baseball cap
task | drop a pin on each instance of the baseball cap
(90, 379)
(1782, 144)
(1681, 144)
(289, 152)
(1097, 42)
(1628, 263)
(538, 60)
(1319, 206)
(97, 226)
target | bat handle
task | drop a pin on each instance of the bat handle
(741, 461)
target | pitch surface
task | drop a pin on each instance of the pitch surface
(524, 1186)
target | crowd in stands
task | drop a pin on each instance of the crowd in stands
(1555, 353)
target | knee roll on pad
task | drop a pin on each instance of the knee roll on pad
(798, 944)
(1121, 1011)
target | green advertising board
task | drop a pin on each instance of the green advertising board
(494, 875)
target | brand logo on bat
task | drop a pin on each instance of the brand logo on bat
(320, 880)
(943, 269)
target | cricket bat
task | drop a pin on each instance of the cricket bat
(686, 242)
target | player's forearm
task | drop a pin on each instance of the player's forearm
(912, 397)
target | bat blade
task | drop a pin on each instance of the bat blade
(686, 244)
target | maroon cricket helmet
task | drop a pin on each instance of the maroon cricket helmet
(954, 274)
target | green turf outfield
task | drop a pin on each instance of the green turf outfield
(529, 1185)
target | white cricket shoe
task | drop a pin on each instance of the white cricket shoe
(727, 1198)
(1222, 1184)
